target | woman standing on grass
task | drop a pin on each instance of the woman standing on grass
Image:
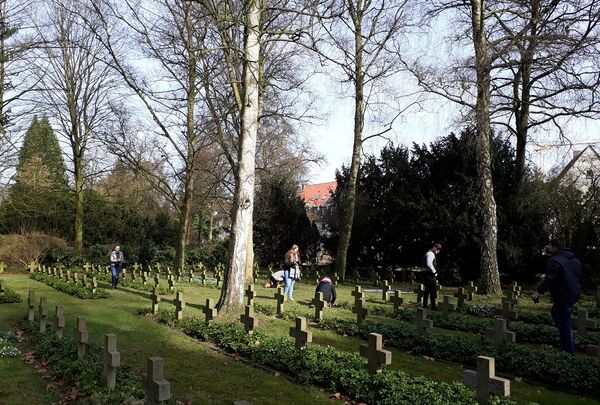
(116, 265)
(291, 271)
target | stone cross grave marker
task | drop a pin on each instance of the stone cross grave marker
(358, 294)
(511, 297)
(76, 278)
(31, 306)
(376, 356)
(112, 360)
(86, 267)
(59, 321)
(218, 277)
(82, 336)
(68, 276)
(191, 276)
(84, 281)
(249, 320)
(335, 279)
(508, 312)
(249, 293)
(61, 274)
(155, 300)
(43, 314)
(133, 275)
(158, 389)
(583, 322)
(157, 280)
(136, 266)
(210, 312)
(447, 306)
(94, 284)
(179, 305)
(593, 350)
(471, 289)
(397, 300)
(158, 268)
(300, 334)
(385, 289)
(361, 311)
(319, 304)
(499, 334)
(516, 289)
(2, 287)
(484, 380)
(32, 267)
(421, 321)
(2, 267)
(170, 282)
(419, 290)
(144, 278)
(280, 298)
(203, 276)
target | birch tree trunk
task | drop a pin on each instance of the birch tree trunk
(232, 293)
(489, 237)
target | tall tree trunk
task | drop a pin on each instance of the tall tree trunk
(349, 194)
(489, 236)
(79, 201)
(232, 293)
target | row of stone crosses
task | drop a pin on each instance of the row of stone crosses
(157, 388)
(68, 276)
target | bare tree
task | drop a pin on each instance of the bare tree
(361, 39)
(75, 89)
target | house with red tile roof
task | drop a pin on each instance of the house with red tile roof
(317, 199)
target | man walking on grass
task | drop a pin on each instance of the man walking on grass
(429, 274)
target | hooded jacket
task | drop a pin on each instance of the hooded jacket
(328, 289)
(563, 277)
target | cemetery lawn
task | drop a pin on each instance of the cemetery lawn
(196, 372)
(200, 374)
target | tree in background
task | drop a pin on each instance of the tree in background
(39, 199)
(280, 220)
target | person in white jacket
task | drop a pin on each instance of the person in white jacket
(429, 273)
(116, 265)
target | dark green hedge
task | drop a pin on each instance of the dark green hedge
(69, 288)
(9, 297)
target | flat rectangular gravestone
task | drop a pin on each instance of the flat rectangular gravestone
(376, 356)
(179, 305)
(447, 306)
(249, 320)
(280, 299)
(59, 321)
(499, 334)
(82, 336)
(583, 322)
(421, 321)
(158, 389)
(112, 360)
(43, 314)
(484, 380)
(210, 312)
(419, 290)
(300, 334)
(31, 306)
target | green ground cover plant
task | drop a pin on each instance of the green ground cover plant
(75, 290)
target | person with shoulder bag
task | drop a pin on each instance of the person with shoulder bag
(291, 270)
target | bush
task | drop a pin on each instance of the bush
(78, 291)
(19, 250)
(326, 366)
(9, 297)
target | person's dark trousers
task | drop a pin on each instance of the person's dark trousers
(430, 290)
(115, 270)
(561, 314)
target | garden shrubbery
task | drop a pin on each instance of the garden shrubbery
(75, 290)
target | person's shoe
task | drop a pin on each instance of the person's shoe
(291, 299)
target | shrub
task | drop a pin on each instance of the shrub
(9, 297)
(19, 250)
(78, 291)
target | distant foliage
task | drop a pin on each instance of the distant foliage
(20, 250)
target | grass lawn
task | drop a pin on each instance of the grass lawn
(199, 374)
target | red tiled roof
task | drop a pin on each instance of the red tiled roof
(315, 195)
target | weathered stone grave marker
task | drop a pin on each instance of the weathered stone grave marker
(516, 289)
(361, 311)
(421, 321)
(484, 380)
(419, 290)
(2, 267)
(583, 322)
(155, 300)
(43, 314)
(170, 282)
(86, 267)
(158, 389)
(280, 298)
(249, 320)
(2, 287)
(508, 312)
(358, 294)
(32, 267)
(376, 356)
(300, 334)
(31, 306)
(447, 306)
(511, 297)
(82, 336)
(471, 289)
(250, 294)
(397, 300)
(319, 304)
(59, 321)
(210, 312)
(144, 278)
(94, 284)
(112, 360)
(179, 305)
(385, 289)
(499, 334)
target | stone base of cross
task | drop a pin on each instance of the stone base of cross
(300, 334)
(376, 356)
(485, 382)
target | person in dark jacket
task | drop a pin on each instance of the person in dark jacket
(429, 273)
(328, 289)
(563, 279)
